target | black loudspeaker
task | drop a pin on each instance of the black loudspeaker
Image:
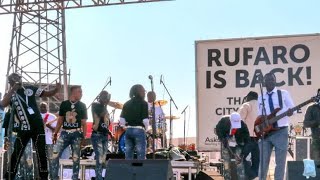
(139, 170)
(295, 170)
(203, 176)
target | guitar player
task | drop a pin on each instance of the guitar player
(278, 137)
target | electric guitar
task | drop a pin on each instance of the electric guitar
(263, 125)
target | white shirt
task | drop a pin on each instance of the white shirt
(287, 103)
(249, 113)
(47, 130)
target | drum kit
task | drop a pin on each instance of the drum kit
(118, 142)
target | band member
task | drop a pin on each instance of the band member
(135, 115)
(25, 168)
(233, 134)
(312, 120)
(160, 122)
(50, 123)
(72, 117)
(23, 100)
(249, 111)
(278, 139)
(100, 131)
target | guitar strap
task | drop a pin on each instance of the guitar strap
(280, 98)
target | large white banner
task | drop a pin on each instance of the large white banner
(226, 70)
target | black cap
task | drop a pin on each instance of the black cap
(252, 94)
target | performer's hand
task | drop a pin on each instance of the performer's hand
(54, 138)
(290, 112)
(58, 85)
(112, 136)
(16, 86)
(6, 144)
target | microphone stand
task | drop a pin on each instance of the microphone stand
(264, 115)
(109, 82)
(184, 126)
(171, 101)
(153, 124)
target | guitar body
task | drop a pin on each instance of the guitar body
(264, 126)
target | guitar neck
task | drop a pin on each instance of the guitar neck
(280, 116)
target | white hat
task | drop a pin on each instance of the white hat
(235, 120)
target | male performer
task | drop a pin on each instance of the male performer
(249, 111)
(100, 131)
(135, 115)
(72, 117)
(50, 123)
(274, 98)
(23, 100)
(312, 120)
(160, 121)
(234, 135)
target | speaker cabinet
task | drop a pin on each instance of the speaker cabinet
(139, 170)
(295, 170)
(203, 176)
(302, 148)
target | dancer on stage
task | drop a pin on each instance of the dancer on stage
(135, 115)
(72, 118)
(23, 100)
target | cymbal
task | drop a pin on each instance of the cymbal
(160, 102)
(116, 105)
(173, 117)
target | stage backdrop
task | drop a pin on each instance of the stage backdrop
(226, 70)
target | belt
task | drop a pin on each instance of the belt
(97, 132)
(136, 127)
(72, 130)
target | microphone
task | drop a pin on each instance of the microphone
(150, 77)
(110, 80)
(161, 79)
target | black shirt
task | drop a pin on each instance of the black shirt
(26, 109)
(134, 111)
(101, 111)
(72, 114)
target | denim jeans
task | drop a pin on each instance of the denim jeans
(49, 156)
(225, 154)
(26, 162)
(279, 140)
(100, 147)
(136, 140)
(74, 139)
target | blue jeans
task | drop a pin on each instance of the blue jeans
(100, 147)
(49, 156)
(225, 154)
(136, 138)
(279, 140)
(74, 139)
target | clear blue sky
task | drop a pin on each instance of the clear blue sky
(131, 42)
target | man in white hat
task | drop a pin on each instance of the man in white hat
(233, 134)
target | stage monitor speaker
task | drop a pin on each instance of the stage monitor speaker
(139, 170)
(203, 176)
(295, 170)
(302, 148)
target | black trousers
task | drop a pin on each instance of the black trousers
(38, 139)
